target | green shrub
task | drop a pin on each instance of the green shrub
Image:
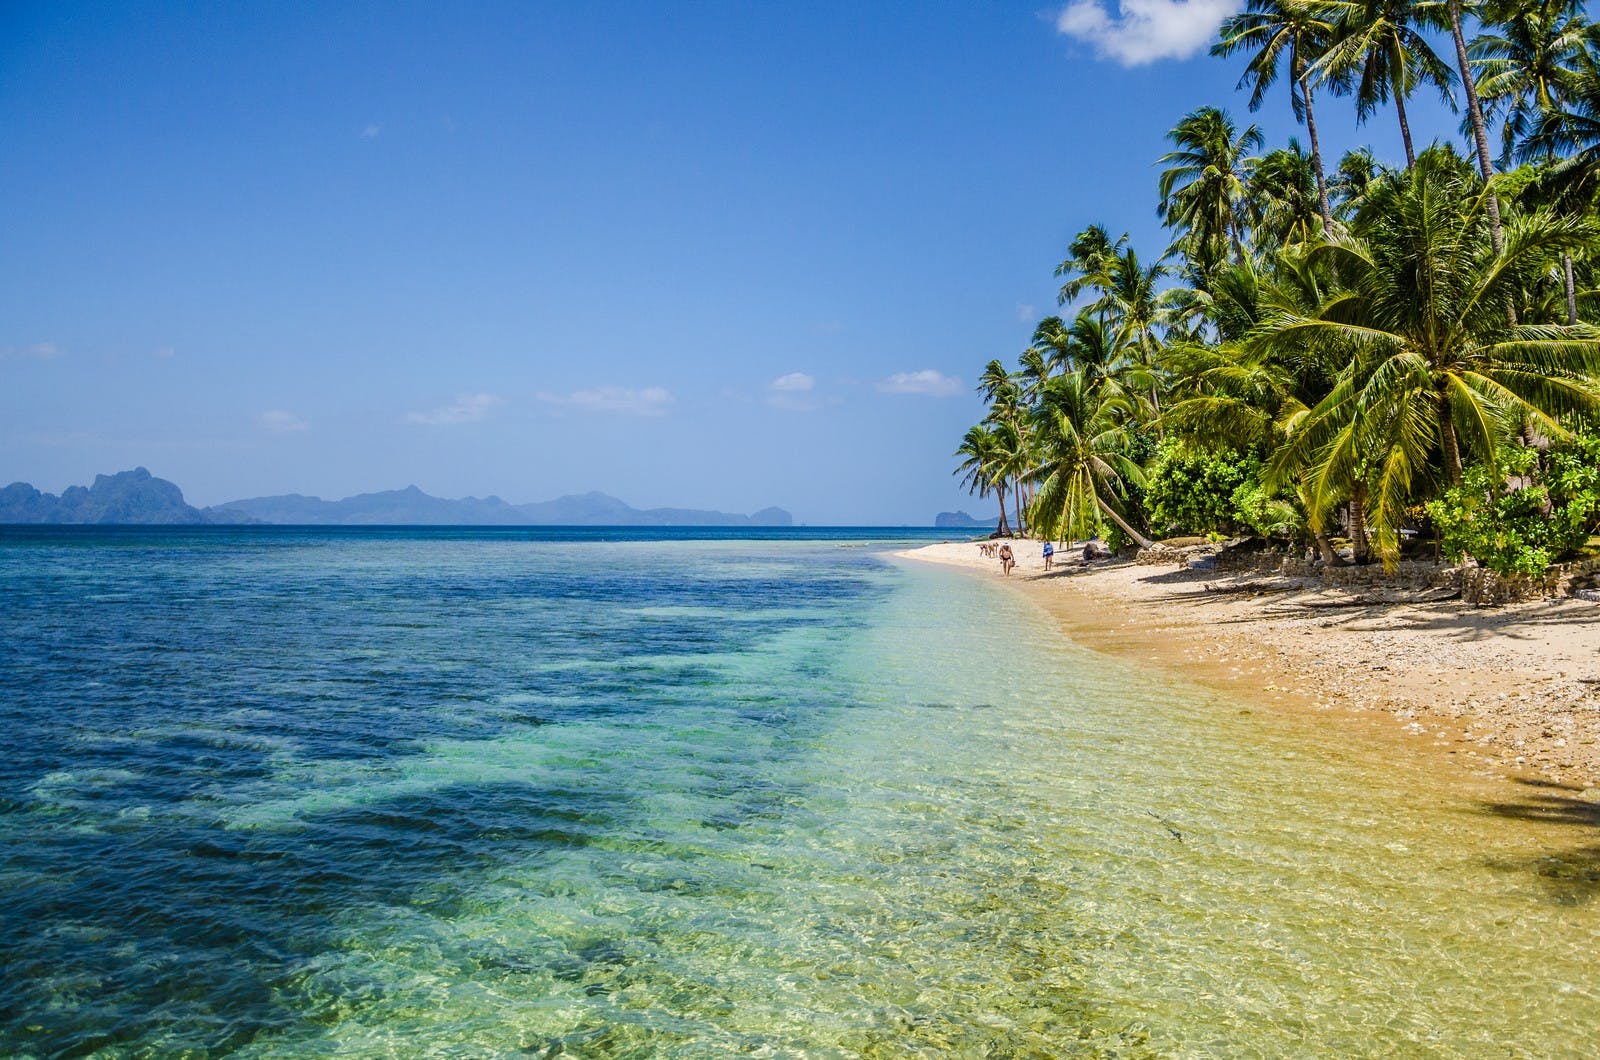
(1190, 491)
(1539, 508)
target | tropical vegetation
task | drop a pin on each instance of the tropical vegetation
(1358, 359)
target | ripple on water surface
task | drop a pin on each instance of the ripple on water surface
(440, 793)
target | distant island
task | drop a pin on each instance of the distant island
(139, 498)
(961, 521)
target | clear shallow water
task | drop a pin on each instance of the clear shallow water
(434, 792)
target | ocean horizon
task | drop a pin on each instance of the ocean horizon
(656, 791)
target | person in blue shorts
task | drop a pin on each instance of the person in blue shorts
(1049, 553)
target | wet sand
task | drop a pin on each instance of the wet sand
(1510, 692)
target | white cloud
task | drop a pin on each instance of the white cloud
(163, 353)
(371, 130)
(794, 383)
(1143, 31)
(466, 408)
(39, 351)
(926, 383)
(630, 401)
(793, 392)
(1025, 313)
(282, 421)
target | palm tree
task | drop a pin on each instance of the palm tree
(1006, 412)
(1036, 363)
(1359, 171)
(1525, 72)
(1247, 396)
(1526, 68)
(1275, 30)
(1480, 134)
(1138, 307)
(980, 468)
(1090, 255)
(1093, 351)
(1284, 206)
(1378, 48)
(1203, 191)
(1083, 466)
(1437, 366)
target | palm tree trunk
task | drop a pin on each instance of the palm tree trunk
(1316, 159)
(1572, 292)
(1360, 547)
(1139, 539)
(1480, 134)
(1021, 529)
(1330, 558)
(1405, 128)
(1452, 445)
(1002, 527)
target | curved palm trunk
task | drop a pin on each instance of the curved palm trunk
(1405, 128)
(1003, 527)
(1140, 539)
(1017, 495)
(1330, 558)
(1452, 445)
(1360, 546)
(1316, 159)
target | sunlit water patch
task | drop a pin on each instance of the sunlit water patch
(440, 793)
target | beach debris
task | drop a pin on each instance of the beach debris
(1252, 588)
(1168, 825)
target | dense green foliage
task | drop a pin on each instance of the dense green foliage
(1536, 509)
(1191, 491)
(1322, 353)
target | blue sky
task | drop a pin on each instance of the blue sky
(709, 255)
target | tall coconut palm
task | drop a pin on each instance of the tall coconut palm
(1083, 466)
(1138, 309)
(1203, 189)
(1480, 132)
(1089, 256)
(981, 468)
(1293, 34)
(1284, 206)
(1380, 53)
(1036, 362)
(1438, 370)
(1526, 59)
(1524, 71)
(1358, 172)
(1008, 416)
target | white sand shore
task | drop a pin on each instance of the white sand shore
(1508, 691)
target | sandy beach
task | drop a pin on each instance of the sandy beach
(1503, 692)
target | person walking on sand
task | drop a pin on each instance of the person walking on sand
(1049, 553)
(1007, 560)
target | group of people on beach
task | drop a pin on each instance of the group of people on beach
(1094, 548)
(1008, 559)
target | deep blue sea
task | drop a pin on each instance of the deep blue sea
(395, 792)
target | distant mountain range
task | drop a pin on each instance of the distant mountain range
(962, 521)
(138, 497)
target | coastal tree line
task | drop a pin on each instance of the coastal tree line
(1351, 354)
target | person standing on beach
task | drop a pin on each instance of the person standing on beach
(1049, 553)
(1007, 560)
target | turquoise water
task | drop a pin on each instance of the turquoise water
(288, 792)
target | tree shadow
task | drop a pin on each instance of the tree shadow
(1571, 876)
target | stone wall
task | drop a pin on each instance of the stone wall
(1479, 586)
(1485, 588)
